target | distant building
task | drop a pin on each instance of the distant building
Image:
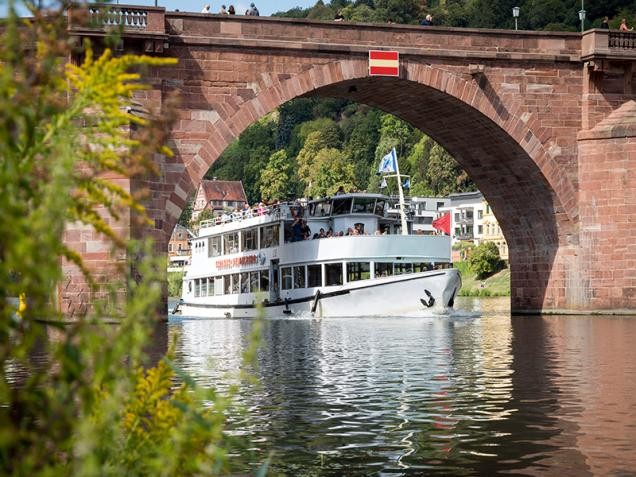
(179, 252)
(425, 210)
(218, 196)
(492, 232)
(472, 221)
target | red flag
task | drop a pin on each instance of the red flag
(443, 223)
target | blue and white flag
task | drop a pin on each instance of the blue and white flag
(383, 183)
(407, 183)
(389, 162)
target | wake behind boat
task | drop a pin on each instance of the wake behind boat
(338, 256)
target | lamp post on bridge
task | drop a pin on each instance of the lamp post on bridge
(582, 16)
(515, 14)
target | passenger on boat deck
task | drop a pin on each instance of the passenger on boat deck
(261, 208)
(340, 190)
(247, 212)
(330, 232)
(341, 234)
(349, 231)
(305, 230)
(297, 230)
(322, 233)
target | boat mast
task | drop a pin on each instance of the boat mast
(405, 230)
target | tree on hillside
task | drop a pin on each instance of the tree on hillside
(330, 172)
(484, 260)
(276, 177)
(306, 159)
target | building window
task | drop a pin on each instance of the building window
(169, 247)
(358, 271)
(480, 229)
(480, 214)
(314, 276)
(440, 205)
(333, 272)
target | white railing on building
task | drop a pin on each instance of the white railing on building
(128, 18)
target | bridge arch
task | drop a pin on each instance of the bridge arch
(493, 139)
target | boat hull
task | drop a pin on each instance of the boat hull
(388, 296)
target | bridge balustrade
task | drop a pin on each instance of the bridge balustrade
(622, 39)
(128, 18)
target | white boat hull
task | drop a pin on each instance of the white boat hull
(389, 296)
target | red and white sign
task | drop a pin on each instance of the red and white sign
(384, 63)
(236, 262)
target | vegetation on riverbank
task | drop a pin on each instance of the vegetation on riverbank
(497, 284)
(175, 281)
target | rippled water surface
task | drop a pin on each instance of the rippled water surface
(475, 393)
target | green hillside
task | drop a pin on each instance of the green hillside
(495, 285)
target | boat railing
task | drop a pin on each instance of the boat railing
(276, 212)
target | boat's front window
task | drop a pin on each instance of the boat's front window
(333, 272)
(363, 205)
(314, 276)
(214, 246)
(383, 269)
(358, 271)
(342, 206)
(299, 277)
(269, 236)
(286, 275)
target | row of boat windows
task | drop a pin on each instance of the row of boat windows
(248, 239)
(304, 276)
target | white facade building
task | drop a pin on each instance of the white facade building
(425, 211)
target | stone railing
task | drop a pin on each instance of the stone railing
(622, 39)
(133, 19)
(127, 17)
(600, 44)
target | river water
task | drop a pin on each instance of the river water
(476, 392)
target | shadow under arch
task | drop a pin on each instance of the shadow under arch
(534, 202)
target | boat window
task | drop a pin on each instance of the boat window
(197, 287)
(254, 279)
(314, 276)
(245, 282)
(230, 243)
(401, 268)
(214, 246)
(235, 283)
(319, 209)
(333, 273)
(286, 274)
(342, 206)
(264, 280)
(358, 271)
(218, 285)
(299, 277)
(227, 284)
(269, 236)
(363, 205)
(383, 269)
(249, 239)
(379, 208)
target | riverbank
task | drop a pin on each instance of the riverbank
(495, 285)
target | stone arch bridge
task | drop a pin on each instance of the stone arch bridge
(543, 122)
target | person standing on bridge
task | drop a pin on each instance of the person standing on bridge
(206, 9)
(231, 10)
(427, 21)
(222, 11)
(253, 11)
(605, 23)
(624, 27)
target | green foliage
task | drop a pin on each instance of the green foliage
(84, 410)
(276, 177)
(484, 260)
(331, 171)
(175, 282)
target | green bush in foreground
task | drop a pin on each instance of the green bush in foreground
(86, 408)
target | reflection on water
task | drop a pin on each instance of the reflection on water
(475, 393)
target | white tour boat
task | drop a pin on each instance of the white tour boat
(363, 266)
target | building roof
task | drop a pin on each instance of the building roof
(224, 190)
